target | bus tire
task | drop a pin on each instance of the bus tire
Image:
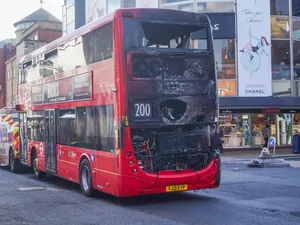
(85, 178)
(35, 162)
(14, 164)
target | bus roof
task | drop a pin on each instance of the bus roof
(148, 13)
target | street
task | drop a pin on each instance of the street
(246, 196)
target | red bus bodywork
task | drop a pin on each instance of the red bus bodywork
(117, 171)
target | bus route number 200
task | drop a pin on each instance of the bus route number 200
(142, 110)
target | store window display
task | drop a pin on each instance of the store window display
(296, 123)
(234, 130)
(284, 129)
(259, 122)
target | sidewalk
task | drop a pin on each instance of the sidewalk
(245, 156)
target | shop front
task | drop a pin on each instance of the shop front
(242, 121)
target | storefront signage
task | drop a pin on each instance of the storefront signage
(254, 49)
(64, 90)
(270, 111)
(257, 110)
(222, 25)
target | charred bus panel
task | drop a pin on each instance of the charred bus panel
(172, 92)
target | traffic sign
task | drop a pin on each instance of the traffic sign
(272, 142)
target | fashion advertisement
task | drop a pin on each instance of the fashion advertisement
(254, 48)
(94, 9)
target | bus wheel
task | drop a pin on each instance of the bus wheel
(38, 174)
(85, 177)
(14, 163)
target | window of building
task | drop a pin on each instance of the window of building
(235, 130)
(279, 7)
(71, 27)
(296, 73)
(70, 2)
(225, 65)
(112, 5)
(281, 70)
(280, 27)
(280, 126)
(129, 3)
(214, 6)
(71, 14)
(183, 5)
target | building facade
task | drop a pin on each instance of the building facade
(32, 32)
(73, 15)
(257, 49)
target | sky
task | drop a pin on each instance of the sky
(14, 10)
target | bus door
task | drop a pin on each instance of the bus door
(23, 137)
(50, 140)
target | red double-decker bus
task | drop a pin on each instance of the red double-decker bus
(126, 105)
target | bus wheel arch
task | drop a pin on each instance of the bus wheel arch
(34, 165)
(14, 164)
(85, 177)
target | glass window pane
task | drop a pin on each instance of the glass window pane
(113, 5)
(296, 28)
(296, 7)
(260, 122)
(279, 7)
(103, 46)
(70, 14)
(84, 128)
(129, 4)
(225, 65)
(296, 50)
(70, 27)
(70, 2)
(235, 130)
(104, 127)
(281, 70)
(66, 132)
(215, 6)
(280, 27)
(183, 5)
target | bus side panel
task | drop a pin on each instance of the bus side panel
(105, 168)
(68, 160)
(40, 151)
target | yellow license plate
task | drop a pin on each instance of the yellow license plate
(173, 188)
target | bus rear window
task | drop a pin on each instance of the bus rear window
(145, 34)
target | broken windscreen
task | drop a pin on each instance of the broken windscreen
(157, 34)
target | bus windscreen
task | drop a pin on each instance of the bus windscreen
(157, 34)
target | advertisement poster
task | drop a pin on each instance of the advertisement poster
(95, 9)
(65, 90)
(254, 48)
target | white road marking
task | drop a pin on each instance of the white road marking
(31, 188)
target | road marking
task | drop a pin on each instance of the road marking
(53, 189)
(31, 188)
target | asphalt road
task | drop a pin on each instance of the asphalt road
(246, 196)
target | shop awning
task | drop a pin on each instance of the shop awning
(260, 104)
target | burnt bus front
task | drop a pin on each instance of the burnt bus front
(172, 101)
